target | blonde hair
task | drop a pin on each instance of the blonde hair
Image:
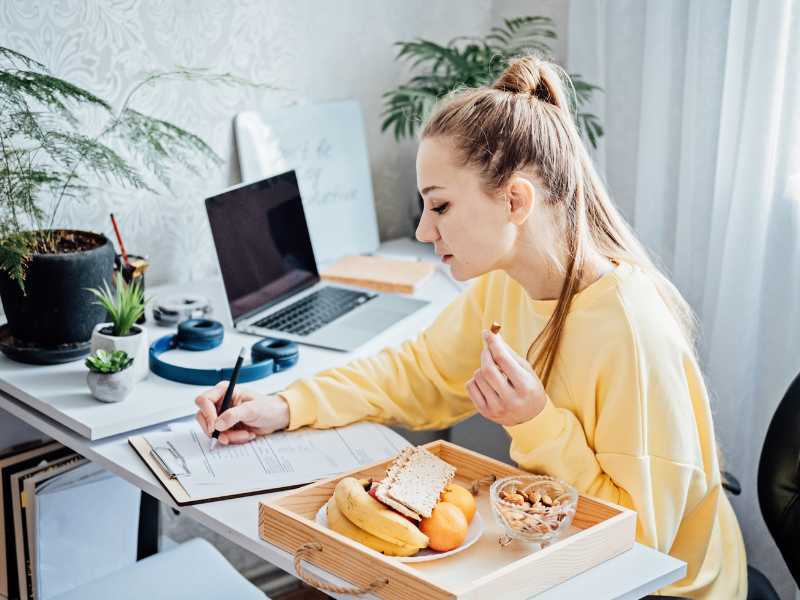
(522, 122)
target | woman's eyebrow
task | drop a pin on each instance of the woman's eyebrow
(430, 188)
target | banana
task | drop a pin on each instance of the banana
(339, 523)
(367, 513)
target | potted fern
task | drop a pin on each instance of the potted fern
(123, 305)
(48, 157)
(110, 377)
(472, 62)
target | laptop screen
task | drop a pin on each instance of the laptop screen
(262, 243)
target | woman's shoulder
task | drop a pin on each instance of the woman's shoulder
(634, 316)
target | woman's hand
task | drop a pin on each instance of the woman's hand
(250, 414)
(505, 389)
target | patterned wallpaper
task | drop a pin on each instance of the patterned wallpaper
(312, 50)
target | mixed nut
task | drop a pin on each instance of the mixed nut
(537, 509)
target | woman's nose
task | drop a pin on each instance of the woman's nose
(426, 230)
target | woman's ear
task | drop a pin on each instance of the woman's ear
(520, 196)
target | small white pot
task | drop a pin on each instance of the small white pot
(135, 345)
(111, 387)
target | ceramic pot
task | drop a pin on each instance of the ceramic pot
(57, 308)
(111, 387)
(136, 345)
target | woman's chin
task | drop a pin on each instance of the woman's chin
(459, 273)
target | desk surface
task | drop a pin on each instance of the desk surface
(629, 576)
(61, 392)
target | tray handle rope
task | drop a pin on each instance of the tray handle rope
(305, 551)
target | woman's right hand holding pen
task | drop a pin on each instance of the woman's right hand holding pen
(250, 415)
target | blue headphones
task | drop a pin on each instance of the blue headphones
(268, 355)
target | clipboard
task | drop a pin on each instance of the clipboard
(166, 464)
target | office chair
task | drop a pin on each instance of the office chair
(778, 490)
(779, 479)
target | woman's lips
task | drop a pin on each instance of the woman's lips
(446, 258)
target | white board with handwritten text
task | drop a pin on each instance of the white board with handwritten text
(326, 146)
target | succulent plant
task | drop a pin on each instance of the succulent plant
(124, 304)
(103, 361)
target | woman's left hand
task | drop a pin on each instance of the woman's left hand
(505, 389)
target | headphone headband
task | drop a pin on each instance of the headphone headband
(268, 355)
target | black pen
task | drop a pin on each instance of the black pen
(226, 401)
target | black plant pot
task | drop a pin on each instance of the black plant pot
(56, 307)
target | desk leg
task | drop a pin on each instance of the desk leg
(148, 527)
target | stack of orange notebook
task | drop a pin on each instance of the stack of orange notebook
(380, 273)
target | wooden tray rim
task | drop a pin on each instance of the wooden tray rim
(274, 504)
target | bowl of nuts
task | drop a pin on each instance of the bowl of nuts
(533, 508)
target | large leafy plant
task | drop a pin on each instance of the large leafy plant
(471, 62)
(48, 156)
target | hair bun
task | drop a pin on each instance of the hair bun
(529, 75)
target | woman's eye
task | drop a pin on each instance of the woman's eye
(441, 208)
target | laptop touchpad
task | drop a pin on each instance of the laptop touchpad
(371, 319)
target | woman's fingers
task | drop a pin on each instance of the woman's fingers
(242, 413)
(503, 357)
(477, 397)
(203, 423)
(494, 404)
(207, 407)
(236, 436)
(493, 376)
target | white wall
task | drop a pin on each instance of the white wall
(314, 50)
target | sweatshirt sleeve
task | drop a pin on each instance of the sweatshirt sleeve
(645, 452)
(420, 385)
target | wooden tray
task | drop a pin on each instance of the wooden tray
(599, 531)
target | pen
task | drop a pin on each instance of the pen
(226, 401)
(119, 239)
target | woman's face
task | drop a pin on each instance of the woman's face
(469, 229)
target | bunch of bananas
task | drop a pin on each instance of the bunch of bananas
(354, 513)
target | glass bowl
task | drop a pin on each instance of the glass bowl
(532, 508)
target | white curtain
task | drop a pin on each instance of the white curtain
(702, 153)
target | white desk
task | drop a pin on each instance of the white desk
(630, 575)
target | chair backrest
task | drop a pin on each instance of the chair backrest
(779, 478)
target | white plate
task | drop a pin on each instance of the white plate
(473, 533)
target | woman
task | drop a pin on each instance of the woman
(594, 375)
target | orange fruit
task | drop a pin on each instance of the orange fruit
(446, 528)
(462, 498)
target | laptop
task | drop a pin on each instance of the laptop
(271, 277)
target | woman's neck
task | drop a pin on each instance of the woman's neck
(536, 271)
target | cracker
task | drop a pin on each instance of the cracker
(418, 483)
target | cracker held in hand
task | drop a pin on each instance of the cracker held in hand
(414, 482)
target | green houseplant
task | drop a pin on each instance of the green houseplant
(110, 376)
(53, 152)
(123, 304)
(471, 62)
(101, 361)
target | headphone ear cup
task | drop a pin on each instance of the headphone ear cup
(200, 334)
(283, 352)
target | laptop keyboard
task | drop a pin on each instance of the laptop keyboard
(315, 310)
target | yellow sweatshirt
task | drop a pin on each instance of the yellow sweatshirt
(627, 420)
